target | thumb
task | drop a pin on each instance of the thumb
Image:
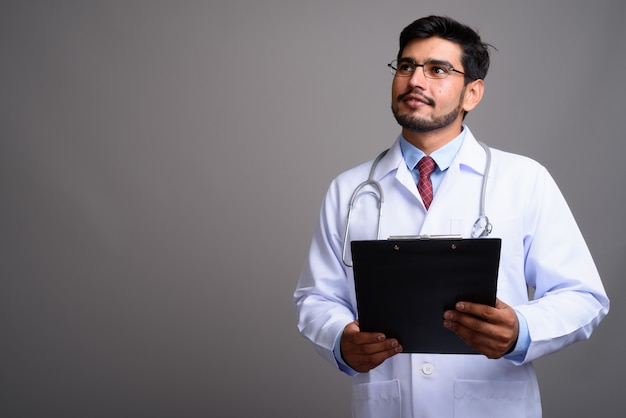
(501, 305)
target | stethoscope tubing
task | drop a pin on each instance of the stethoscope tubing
(481, 228)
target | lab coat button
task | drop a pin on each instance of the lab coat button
(428, 369)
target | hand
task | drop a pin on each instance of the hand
(365, 350)
(491, 331)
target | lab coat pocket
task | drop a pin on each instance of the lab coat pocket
(377, 399)
(489, 399)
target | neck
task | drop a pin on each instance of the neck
(428, 142)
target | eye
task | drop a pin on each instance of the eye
(437, 70)
(405, 67)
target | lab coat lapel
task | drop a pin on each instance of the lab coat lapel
(471, 157)
(394, 162)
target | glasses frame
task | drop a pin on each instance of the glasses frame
(393, 66)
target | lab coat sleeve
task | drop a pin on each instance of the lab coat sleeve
(569, 300)
(322, 296)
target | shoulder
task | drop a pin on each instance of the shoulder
(385, 162)
(520, 167)
(514, 161)
(473, 155)
(524, 174)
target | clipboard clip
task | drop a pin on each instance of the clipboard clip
(424, 237)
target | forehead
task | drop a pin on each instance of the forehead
(435, 48)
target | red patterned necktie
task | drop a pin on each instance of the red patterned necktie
(425, 166)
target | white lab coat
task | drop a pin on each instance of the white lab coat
(541, 247)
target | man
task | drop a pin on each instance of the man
(438, 78)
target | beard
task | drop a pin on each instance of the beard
(421, 125)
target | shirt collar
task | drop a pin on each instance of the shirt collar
(443, 156)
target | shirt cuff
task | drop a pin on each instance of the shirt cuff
(343, 366)
(523, 340)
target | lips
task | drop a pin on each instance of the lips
(414, 100)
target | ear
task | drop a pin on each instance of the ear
(474, 91)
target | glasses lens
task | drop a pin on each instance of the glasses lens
(402, 68)
(432, 70)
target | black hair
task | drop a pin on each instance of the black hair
(475, 58)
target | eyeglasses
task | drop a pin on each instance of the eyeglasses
(432, 69)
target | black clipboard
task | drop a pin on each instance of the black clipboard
(403, 286)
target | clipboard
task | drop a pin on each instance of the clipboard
(403, 286)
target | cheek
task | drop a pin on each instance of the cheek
(394, 90)
(398, 86)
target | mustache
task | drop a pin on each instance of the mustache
(416, 92)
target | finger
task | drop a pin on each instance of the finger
(381, 346)
(353, 326)
(492, 335)
(357, 337)
(501, 314)
(460, 322)
(390, 351)
(473, 328)
(481, 310)
(354, 334)
(364, 363)
(475, 309)
(365, 343)
(485, 340)
(364, 357)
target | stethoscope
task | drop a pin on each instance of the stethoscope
(482, 227)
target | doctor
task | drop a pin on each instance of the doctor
(438, 78)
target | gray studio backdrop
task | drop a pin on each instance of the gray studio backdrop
(162, 164)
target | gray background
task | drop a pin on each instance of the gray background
(162, 164)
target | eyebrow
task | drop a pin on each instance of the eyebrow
(430, 61)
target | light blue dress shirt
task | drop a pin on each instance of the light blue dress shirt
(443, 158)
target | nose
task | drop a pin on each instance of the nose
(418, 79)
